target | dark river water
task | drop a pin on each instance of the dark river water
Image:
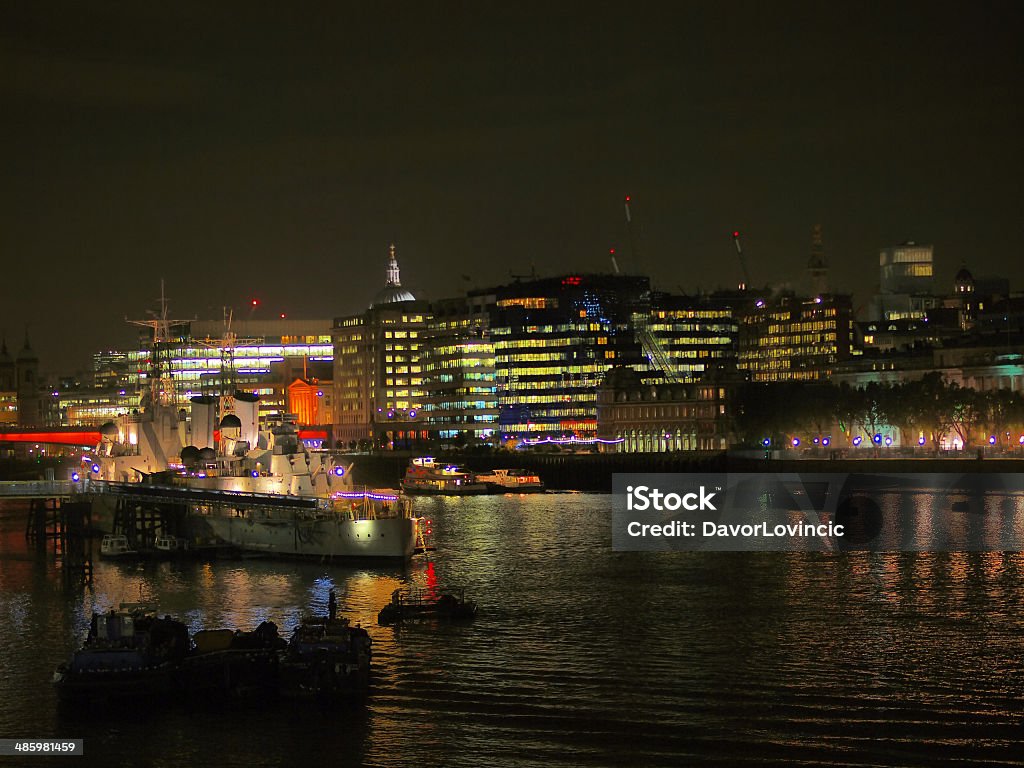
(580, 656)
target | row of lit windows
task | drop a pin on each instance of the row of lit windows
(690, 314)
(467, 349)
(667, 329)
(557, 371)
(568, 328)
(529, 303)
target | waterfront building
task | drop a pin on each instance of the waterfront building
(378, 371)
(635, 417)
(200, 358)
(460, 404)
(789, 338)
(554, 339)
(982, 362)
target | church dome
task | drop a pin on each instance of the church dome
(391, 295)
(392, 292)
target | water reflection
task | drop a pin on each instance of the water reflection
(580, 655)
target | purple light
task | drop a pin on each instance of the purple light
(254, 473)
(796, 441)
(74, 477)
(374, 496)
(766, 442)
(888, 441)
(878, 439)
(339, 471)
(826, 441)
(95, 467)
(992, 440)
(920, 440)
(857, 440)
(816, 441)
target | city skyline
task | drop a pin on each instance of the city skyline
(238, 156)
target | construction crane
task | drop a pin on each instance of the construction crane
(743, 262)
(633, 250)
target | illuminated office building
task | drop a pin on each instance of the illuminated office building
(795, 339)
(690, 335)
(554, 339)
(378, 373)
(905, 283)
(201, 359)
(460, 400)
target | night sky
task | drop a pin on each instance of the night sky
(240, 152)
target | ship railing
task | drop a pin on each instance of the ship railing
(371, 504)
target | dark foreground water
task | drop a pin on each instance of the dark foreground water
(579, 657)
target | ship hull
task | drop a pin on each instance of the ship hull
(386, 538)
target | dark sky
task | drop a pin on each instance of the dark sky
(241, 151)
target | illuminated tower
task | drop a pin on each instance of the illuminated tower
(817, 267)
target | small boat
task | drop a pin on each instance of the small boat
(425, 475)
(169, 546)
(511, 481)
(419, 605)
(128, 653)
(326, 659)
(116, 547)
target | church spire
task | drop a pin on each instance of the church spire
(394, 280)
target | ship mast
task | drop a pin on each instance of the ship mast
(161, 383)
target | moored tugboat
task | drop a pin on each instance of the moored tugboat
(128, 653)
(326, 660)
